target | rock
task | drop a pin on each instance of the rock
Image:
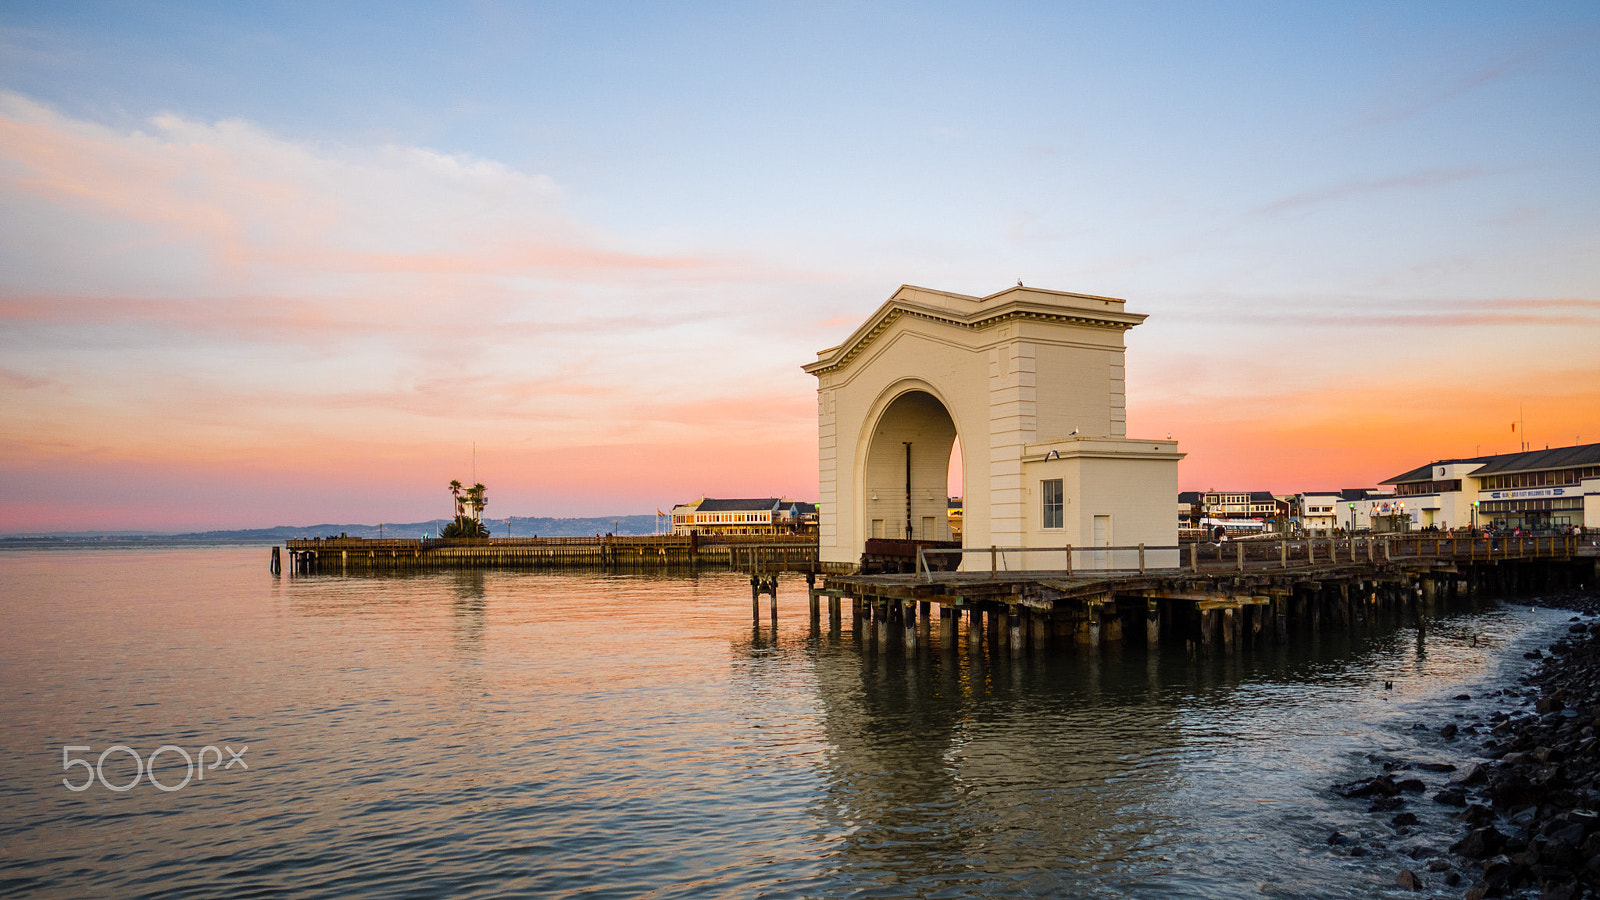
(1448, 731)
(1547, 754)
(1533, 654)
(1463, 697)
(1382, 786)
(1387, 804)
(1511, 790)
(1471, 775)
(1408, 880)
(1404, 818)
(1499, 873)
(1579, 628)
(1411, 785)
(1559, 891)
(1451, 797)
(1587, 818)
(1438, 865)
(1436, 767)
(1339, 839)
(1479, 843)
(1477, 814)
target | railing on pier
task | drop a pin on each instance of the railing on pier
(1283, 553)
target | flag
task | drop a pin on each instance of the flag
(1513, 426)
(659, 512)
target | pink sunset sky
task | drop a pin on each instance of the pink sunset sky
(289, 269)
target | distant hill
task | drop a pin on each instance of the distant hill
(520, 526)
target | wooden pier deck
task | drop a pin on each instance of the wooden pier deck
(754, 553)
(1219, 598)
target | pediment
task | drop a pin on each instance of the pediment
(963, 311)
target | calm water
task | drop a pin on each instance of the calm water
(478, 734)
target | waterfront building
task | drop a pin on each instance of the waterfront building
(1033, 383)
(1536, 489)
(1189, 512)
(766, 515)
(1238, 512)
(1346, 510)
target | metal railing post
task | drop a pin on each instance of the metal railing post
(1141, 559)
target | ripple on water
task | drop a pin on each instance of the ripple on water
(488, 733)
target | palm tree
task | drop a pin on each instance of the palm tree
(477, 499)
(455, 491)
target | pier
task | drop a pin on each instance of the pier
(763, 554)
(1220, 600)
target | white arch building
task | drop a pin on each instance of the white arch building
(1032, 382)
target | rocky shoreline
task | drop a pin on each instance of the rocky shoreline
(1529, 809)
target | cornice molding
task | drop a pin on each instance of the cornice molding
(838, 357)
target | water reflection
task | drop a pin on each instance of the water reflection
(567, 734)
(957, 769)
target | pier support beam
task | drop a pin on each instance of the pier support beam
(1038, 630)
(1152, 624)
(1014, 621)
(1089, 627)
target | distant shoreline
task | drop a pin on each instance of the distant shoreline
(519, 527)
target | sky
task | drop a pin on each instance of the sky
(295, 263)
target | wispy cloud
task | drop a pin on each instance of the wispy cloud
(195, 293)
(1459, 85)
(1412, 180)
(20, 381)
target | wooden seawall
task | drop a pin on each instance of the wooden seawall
(764, 553)
(1217, 601)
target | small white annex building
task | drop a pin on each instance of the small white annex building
(1032, 382)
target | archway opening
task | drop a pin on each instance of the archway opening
(908, 470)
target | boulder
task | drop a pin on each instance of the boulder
(1479, 843)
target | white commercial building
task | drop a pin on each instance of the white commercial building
(1554, 488)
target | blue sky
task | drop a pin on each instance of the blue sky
(623, 206)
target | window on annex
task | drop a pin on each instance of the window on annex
(1051, 497)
